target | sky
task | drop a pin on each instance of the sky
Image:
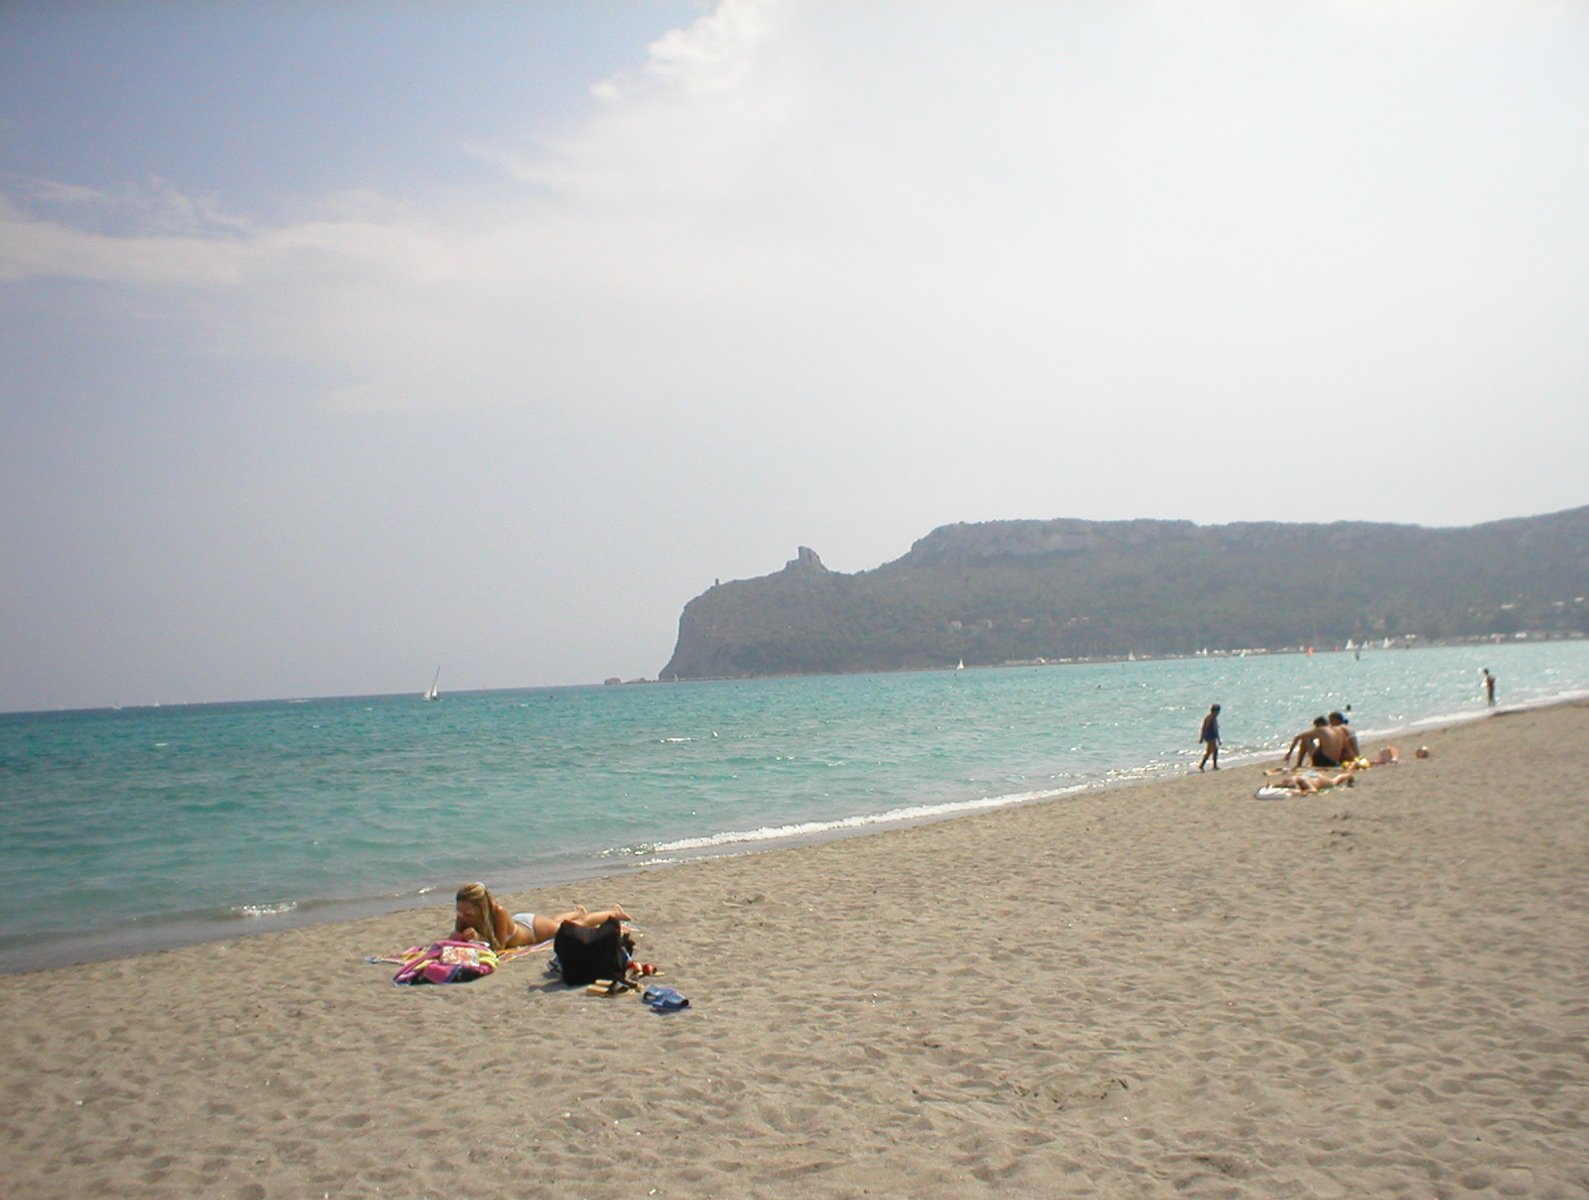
(342, 342)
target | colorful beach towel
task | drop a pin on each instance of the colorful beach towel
(446, 961)
(451, 961)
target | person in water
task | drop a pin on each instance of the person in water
(480, 917)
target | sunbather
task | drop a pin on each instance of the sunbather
(505, 930)
(1310, 784)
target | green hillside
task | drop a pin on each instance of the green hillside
(1019, 591)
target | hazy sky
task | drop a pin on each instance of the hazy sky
(345, 340)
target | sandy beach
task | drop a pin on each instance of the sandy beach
(1168, 989)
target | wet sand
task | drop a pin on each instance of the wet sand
(1168, 989)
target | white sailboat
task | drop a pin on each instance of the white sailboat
(961, 665)
(431, 693)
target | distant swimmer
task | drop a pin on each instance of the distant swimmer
(1210, 738)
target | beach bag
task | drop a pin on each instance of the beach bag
(448, 961)
(585, 954)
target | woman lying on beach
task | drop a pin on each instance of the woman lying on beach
(482, 918)
(1311, 783)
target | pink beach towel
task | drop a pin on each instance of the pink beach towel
(447, 961)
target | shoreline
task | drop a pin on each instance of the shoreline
(170, 932)
(179, 931)
(1165, 989)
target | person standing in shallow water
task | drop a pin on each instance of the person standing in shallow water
(1210, 738)
(1489, 687)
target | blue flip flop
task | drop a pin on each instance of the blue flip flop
(665, 1000)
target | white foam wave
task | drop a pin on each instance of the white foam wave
(895, 816)
(264, 910)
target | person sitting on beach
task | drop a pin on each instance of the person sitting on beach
(1349, 749)
(482, 918)
(1324, 742)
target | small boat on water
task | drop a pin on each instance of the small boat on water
(431, 693)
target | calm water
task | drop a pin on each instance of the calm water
(172, 825)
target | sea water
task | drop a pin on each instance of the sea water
(132, 829)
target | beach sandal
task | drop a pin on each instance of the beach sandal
(665, 1000)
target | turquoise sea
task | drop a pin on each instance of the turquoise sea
(164, 826)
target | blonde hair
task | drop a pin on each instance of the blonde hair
(485, 909)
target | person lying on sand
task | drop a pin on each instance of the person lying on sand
(482, 918)
(1309, 784)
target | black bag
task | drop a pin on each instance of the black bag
(585, 954)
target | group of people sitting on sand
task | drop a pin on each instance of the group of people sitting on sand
(1329, 743)
(1330, 746)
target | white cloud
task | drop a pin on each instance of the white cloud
(34, 247)
(868, 210)
(716, 54)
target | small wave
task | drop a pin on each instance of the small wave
(263, 910)
(895, 816)
(674, 740)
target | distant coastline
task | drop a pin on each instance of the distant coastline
(1065, 590)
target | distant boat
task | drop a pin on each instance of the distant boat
(431, 693)
(961, 665)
